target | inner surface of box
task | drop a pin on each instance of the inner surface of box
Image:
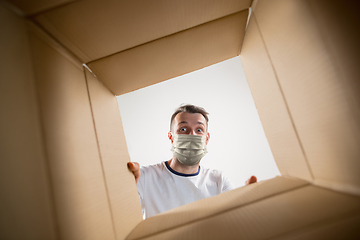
(64, 172)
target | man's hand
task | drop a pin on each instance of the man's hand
(135, 168)
(251, 180)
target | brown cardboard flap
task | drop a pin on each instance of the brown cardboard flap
(26, 201)
(210, 207)
(77, 182)
(333, 228)
(272, 106)
(120, 182)
(93, 29)
(289, 212)
(35, 6)
(173, 55)
(315, 59)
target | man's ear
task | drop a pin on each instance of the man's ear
(170, 136)
(207, 138)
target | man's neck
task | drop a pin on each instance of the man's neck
(181, 168)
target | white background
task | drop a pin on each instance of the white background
(237, 145)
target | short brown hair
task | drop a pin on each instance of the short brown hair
(188, 108)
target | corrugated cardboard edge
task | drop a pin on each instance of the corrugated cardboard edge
(323, 113)
(120, 184)
(71, 142)
(211, 207)
(278, 124)
(89, 39)
(335, 208)
(116, 79)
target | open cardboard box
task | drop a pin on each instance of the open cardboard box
(63, 152)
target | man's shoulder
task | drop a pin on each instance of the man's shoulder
(211, 171)
(218, 176)
(152, 168)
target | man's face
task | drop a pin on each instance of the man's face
(189, 123)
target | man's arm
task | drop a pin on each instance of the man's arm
(135, 168)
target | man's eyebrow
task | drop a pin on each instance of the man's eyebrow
(201, 123)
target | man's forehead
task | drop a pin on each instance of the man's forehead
(190, 117)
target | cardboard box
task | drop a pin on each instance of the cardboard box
(63, 151)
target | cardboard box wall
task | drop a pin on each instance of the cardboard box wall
(64, 154)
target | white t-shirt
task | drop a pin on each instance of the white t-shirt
(161, 188)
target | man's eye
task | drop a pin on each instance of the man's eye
(182, 129)
(199, 130)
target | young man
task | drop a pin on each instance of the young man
(181, 180)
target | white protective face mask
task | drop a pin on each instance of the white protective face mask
(189, 149)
